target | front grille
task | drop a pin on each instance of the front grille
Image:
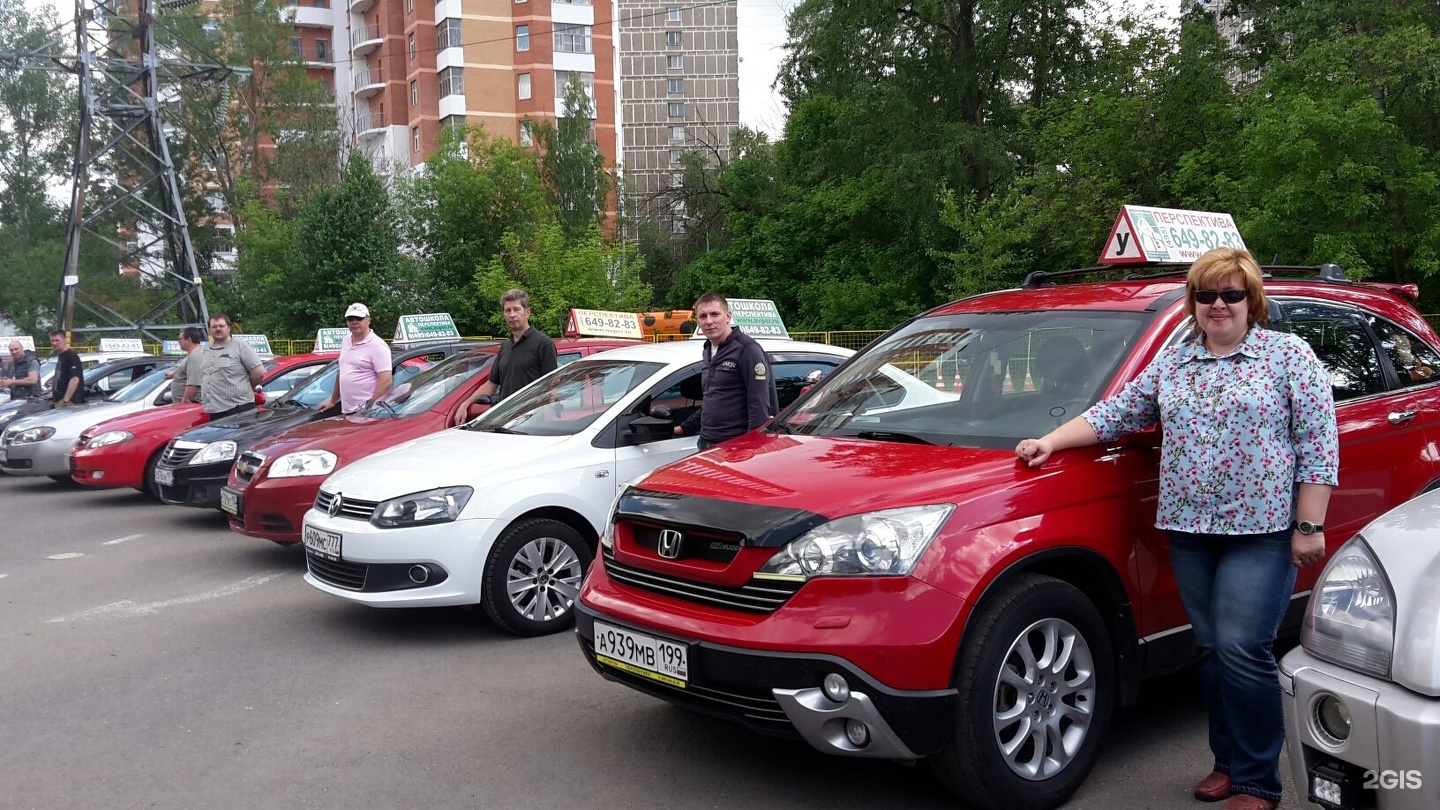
(341, 574)
(353, 508)
(698, 545)
(760, 596)
(176, 455)
(757, 707)
(247, 465)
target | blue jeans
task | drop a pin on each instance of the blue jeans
(1236, 589)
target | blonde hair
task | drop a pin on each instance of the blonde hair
(1215, 267)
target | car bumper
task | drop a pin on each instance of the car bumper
(271, 509)
(112, 466)
(38, 458)
(197, 486)
(1391, 759)
(375, 564)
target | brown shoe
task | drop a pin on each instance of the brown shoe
(1244, 801)
(1213, 788)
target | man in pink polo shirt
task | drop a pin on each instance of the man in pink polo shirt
(365, 374)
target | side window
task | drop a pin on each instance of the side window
(287, 380)
(116, 380)
(1415, 363)
(566, 358)
(1339, 339)
(791, 377)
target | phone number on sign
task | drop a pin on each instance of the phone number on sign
(607, 323)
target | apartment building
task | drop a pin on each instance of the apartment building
(680, 91)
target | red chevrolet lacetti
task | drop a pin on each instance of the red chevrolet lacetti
(876, 573)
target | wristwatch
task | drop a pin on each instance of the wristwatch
(1306, 527)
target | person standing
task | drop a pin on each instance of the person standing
(191, 338)
(1249, 455)
(365, 373)
(527, 356)
(735, 379)
(69, 379)
(229, 372)
(24, 373)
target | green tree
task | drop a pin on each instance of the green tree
(573, 167)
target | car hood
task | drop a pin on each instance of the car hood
(348, 437)
(68, 422)
(1404, 543)
(451, 458)
(245, 429)
(170, 418)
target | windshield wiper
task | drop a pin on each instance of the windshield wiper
(502, 430)
(387, 405)
(892, 436)
(781, 427)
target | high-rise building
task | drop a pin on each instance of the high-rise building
(680, 91)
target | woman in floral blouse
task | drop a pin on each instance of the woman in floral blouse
(1249, 456)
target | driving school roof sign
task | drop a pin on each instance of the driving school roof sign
(756, 317)
(599, 323)
(1144, 235)
(426, 328)
(330, 339)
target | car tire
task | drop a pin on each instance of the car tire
(148, 485)
(1036, 681)
(532, 577)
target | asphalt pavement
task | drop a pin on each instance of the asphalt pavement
(151, 658)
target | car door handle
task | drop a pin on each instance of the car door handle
(1400, 417)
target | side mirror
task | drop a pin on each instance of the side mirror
(645, 429)
(476, 408)
(484, 399)
(260, 397)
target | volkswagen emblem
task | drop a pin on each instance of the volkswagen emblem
(335, 504)
(669, 545)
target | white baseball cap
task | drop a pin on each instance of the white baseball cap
(357, 311)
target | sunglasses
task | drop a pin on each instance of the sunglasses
(349, 318)
(1228, 296)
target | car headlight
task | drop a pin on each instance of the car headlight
(215, 451)
(109, 437)
(1350, 620)
(302, 463)
(431, 506)
(33, 435)
(884, 543)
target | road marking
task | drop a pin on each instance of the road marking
(69, 555)
(117, 541)
(124, 609)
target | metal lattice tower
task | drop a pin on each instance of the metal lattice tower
(124, 189)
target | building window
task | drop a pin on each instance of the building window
(297, 47)
(562, 81)
(452, 82)
(414, 93)
(677, 133)
(672, 15)
(677, 180)
(522, 37)
(322, 50)
(675, 61)
(410, 44)
(672, 38)
(572, 38)
(447, 34)
(526, 137)
(453, 121)
(674, 85)
(522, 86)
(409, 6)
(677, 109)
(675, 157)
(415, 139)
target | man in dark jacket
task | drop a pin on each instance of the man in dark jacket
(22, 373)
(735, 378)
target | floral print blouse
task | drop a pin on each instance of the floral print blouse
(1240, 431)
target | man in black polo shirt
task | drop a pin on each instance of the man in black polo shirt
(735, 378)
(527, 356)
(69, 380)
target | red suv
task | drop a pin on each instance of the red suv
(876, 573)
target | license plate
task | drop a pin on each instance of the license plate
(326, 544)
(639, 654)
(230, 501)
(164, 477)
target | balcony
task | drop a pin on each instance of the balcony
(365, 38)
(311, 16)
(370, 124)
(368, 82)
(361, 6)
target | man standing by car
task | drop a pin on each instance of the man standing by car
(365, 373)
(191, 338)
(527, 356)
(69, 381)
(24, 373)
(735, 378)
(229, 372)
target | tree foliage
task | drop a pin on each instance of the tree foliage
(573, 167)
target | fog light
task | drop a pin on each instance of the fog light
(836, 688)
(98, 474)
(419, 574)
(1333, 719)
(857, 733)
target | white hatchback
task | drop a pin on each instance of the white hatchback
(506, 510)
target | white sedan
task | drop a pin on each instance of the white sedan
(41, 444)
(506, 510)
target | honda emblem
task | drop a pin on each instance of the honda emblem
(669, 545)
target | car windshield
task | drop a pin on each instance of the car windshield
(971, 380)
(138, 390)
(430, 386)
(315, 390)
(566, 401)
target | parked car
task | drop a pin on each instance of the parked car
(273, 483)
(41, 444)
(876, 573)
(1362, 691)
(101, 380)
(196, 464)
(506, 510)
(123, 452)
